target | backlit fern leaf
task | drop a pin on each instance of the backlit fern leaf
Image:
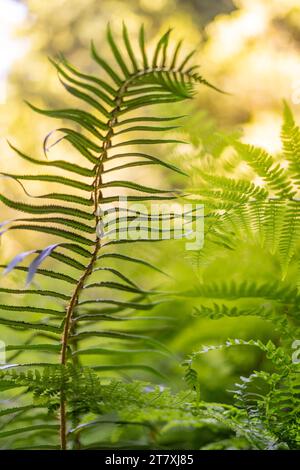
(263, 164)
(107, 135)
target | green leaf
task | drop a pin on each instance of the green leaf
(48, 209)
(96, 91)
(68, 198)
(116, 53)
(148, 119)
(47, 273)
(67, 260)
(86, 98)
(113, 334)
(83, 118)
(130, 259)
(121, 367)
(30, 309)
(163, 42)
(105, 66)
(143, 102)
(89, 78)
(146, 129)
(57, 220)
(185, 61)
(31, 326)
(18, 409)
(151, 158)
(264, 166)
(137, 187)
(111, 351)
(52, 179)
(106, 200)
(72, 167)
(139, 240)
(78, 141)
(122, 303)
(147, 100)
(51, 348)
(116, 286)
(175, 55)
(116, 273)
(37, 427)
(58, 232)
(290, 135)
(46, 293)
(142, 47)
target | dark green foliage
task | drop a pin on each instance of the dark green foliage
(270, 399)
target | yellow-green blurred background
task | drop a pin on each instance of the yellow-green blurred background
(249, 48)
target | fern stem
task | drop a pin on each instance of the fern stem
(97, 195)
(65, 338)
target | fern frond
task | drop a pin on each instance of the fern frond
(272, 419)
(97, 133)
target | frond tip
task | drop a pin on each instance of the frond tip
(94, 293)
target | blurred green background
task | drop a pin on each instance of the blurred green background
(249, 49)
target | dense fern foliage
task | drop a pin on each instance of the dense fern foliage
(261, 211)
(80, 312)
(267, 404)
(252, 231)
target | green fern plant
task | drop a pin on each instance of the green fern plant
(260, 213)
(113, 110)
(270, 399)
(248, 267)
